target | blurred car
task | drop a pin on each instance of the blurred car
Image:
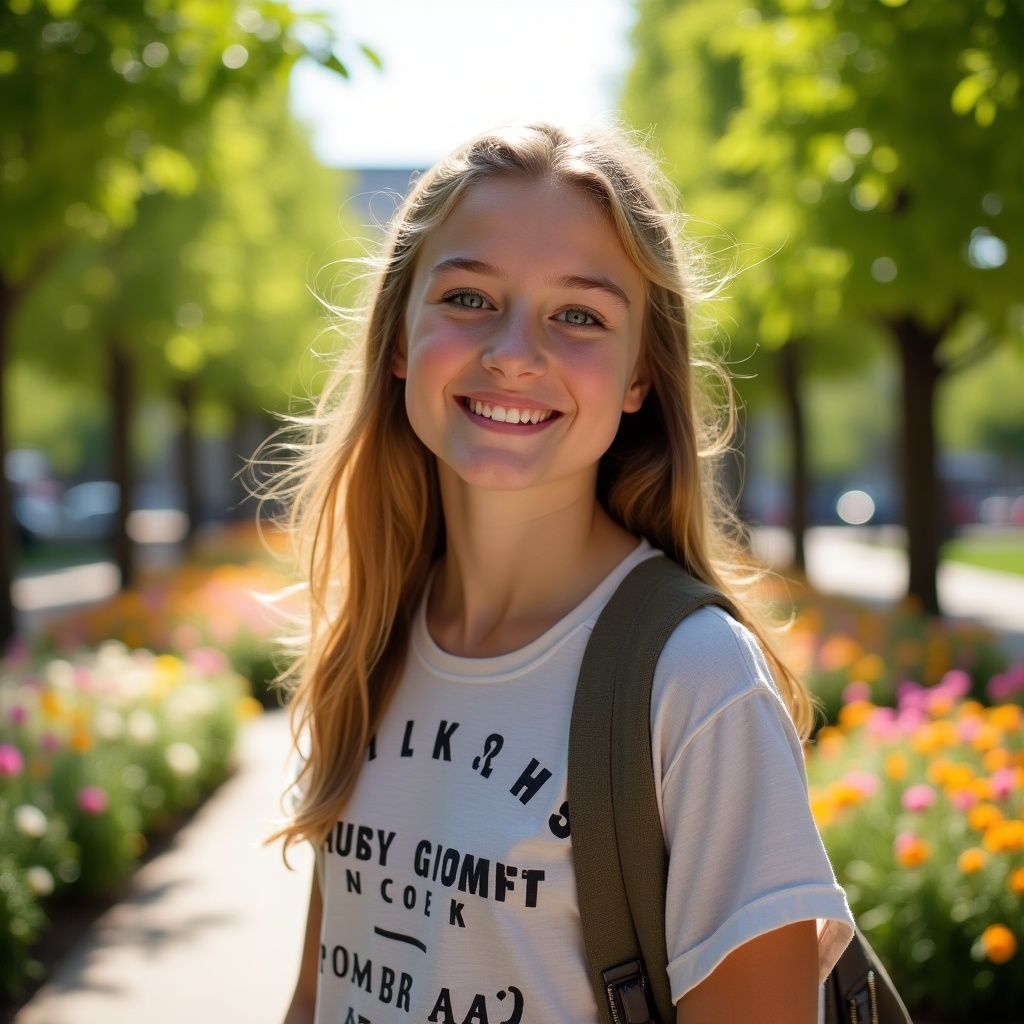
(87, 513)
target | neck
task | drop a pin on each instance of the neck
(517, 562)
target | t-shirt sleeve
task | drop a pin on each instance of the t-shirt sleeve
(744, 853)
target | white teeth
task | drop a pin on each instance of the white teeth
(500, 414)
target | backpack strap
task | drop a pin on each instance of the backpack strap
(612, 791)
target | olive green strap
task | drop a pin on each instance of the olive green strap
(617, 840)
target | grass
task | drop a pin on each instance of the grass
(1003, 553)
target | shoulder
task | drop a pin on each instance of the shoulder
(712, 672)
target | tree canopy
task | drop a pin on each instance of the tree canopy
(870, 149)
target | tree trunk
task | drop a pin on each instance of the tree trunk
(8, 300)
(917, 346)
(122, 404)
(790, 378)
(187, 458)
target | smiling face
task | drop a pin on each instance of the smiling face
(521, 340)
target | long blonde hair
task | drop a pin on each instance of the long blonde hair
(364, 510)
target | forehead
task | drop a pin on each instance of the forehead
(523, 225)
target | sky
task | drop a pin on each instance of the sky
(453, 68)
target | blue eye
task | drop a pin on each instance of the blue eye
(467, 300)
(577, 317)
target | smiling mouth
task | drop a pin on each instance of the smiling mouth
(506, 413)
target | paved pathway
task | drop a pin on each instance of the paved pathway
(212, 929)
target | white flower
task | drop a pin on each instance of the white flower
(30, 821)
(109, 724)
(142, 727)
(182, 759)
(60, 674)
(40, 881)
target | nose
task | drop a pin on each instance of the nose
(515, 349)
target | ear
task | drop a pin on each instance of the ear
(399, 361)
(638, 388)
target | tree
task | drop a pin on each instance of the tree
(888, 130)
(99, 103)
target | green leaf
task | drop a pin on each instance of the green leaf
(332, 62)
(372, 56)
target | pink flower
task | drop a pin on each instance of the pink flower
(1003, 783)
(208, 660)
(11, 761)
(863, 782)
(963, 799)
(956, 683)
(92, 800)
(856, 692)
(918, 798)
(49, 741)
(910, 696)
(18, 715)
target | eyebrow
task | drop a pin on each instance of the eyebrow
(565, 281)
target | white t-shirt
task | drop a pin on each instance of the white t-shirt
(448, 887)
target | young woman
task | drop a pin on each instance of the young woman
(522, 428)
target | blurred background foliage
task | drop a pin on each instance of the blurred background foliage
(866, 155)
(164, 222)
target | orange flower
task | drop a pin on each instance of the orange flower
(896, 766)
(822, 808)
(984, 816)
(1005, 837)
(995, 759)
(81, 741)
(998, 943)
(1015, 883)
(838, 652)
(973, 859)
(1008, 717)
(911, 850)
(855, 714)
(829, 741)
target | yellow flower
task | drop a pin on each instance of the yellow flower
(1015, 883)
(1005, 836)
(932, 737)
(986, 738)
(52, 705)
(822, 808)
(249, 707)
(972, 860)
(896, 766)
(869, 668)
(999, 943)
(984, 816)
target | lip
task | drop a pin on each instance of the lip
(509, 401)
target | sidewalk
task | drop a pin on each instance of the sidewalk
(212, 929)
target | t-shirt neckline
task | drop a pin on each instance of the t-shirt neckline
(505, 666)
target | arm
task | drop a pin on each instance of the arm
(303, 1004)
(772, 979)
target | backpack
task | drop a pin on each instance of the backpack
(617, 840)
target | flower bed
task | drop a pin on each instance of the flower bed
(921, 807)
(835, 641)
(96, 752)
(200, 604)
